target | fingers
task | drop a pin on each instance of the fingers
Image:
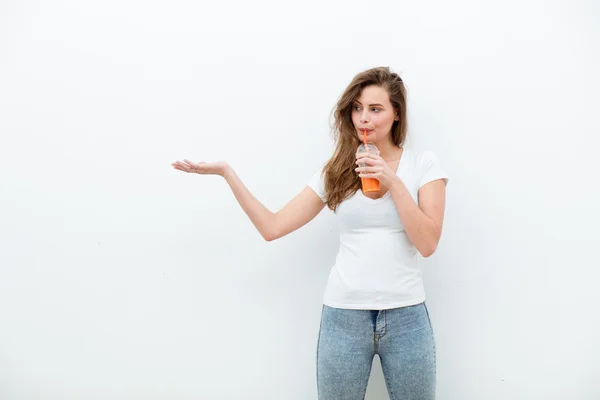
(370, 165)
(181, 166)
(369, 161)
(187, 165)
(367, 170)
(191, 163)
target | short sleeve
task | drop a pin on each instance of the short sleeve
(317, 183)
(431, 169)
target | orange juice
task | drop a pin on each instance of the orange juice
(369, 185)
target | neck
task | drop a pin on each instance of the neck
(388, 150)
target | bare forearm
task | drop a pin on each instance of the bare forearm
(422, 231)
(262, 218)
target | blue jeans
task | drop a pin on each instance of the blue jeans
(349, 339)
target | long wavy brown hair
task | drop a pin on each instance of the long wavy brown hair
(341, 181)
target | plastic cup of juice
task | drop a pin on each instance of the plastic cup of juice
(368, 184)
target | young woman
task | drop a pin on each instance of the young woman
(374, 302)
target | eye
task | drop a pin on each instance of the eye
(356, 107)
(376, 109)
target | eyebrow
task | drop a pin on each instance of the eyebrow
(376, 104)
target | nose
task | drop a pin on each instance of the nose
(364, 117)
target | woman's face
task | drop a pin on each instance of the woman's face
(374, 112)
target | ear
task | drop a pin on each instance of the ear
(397, 118)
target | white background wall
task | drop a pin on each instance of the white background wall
(121, 278)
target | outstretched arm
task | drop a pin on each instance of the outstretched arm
(296, 213)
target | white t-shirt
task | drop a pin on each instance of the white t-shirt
(376, 266)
